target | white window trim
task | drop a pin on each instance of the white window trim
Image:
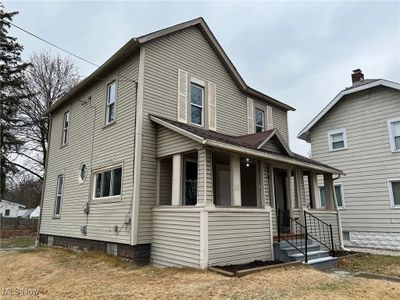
(114, 102)
(391, 134)
(97, 171)
(65, 129)
(202, 85)
(319, 205)
(391, 197)
(57, 195)
(336, 131)
(255, 119)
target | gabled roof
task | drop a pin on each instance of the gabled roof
(250, 143)
(12, 203)
(364, 85)
(134, 44)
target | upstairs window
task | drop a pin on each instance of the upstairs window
(394, 134)
(65, 128)
(111, 100)
(337, 140)
(394, 192)
(59, 195)
(108, 183)
(196, 104)
(260, 120)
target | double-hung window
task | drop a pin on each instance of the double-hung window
(111, 101)
(196, 104)
(260, 120)
(394, 192)
(108, 183)
(337, 139)
(65, 128)
(394, 134)
(338, 193)
(59, 195)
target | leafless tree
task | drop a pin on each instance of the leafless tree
(48, 78)
(27, 191)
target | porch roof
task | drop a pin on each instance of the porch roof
(250, 144)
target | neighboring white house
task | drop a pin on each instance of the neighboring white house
(10, 209)
(359, 133)
(35, 214)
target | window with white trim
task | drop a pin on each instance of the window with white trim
(337, 139)
(59, 195)
(65, 128)
(111, 101)
(108, 183)
(7, 212)
(260, 120)
(394, 134)
(394, 192)
(339, 193)
(196, 104)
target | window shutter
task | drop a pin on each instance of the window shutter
(250, 116)
(270, 122)
(212, 106)
(182, 95)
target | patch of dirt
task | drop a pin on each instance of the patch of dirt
(254, 264)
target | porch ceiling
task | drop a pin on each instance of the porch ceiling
(250, 144)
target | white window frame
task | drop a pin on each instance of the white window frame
(94, 176)
(202, 85)
(319, 204)
(391, 197)
(255, 119)
(5, 212)
(114, 102)
(65, 129)
(391, 134)
(337, 131)
(59, 195)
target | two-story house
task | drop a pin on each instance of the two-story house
(359, 133)
(165, 154)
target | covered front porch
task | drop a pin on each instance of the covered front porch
(217, 202)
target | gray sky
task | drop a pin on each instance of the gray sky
(301, 53)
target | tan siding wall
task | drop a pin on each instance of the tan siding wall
(110, 145)
(318, 232)
(236, 237)
(176, 239)
(187, 50)
(281, 122)
(170, 142)
(368, 161)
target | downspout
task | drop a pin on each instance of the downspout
(339, 219)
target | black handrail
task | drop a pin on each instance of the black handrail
(325, 236)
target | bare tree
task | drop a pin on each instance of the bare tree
(27, 191)
(48, 78)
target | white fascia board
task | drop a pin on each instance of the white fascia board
(387, 83)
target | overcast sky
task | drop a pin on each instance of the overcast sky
(301, 53)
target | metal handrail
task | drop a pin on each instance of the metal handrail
(328, 229)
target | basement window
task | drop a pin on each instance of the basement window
(108, 183)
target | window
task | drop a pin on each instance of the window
(337, 140)
(260, 120)
(108, 183)
(190, 195)
(83, 172)
(7, 212)
(338, 193)
(394, 192)
(394, 134)
(111, 99)
(59, 193)
(65, 128)
(196, 104)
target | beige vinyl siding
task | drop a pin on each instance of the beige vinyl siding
(176, 238)
(280, 120)
(186, 50)
(98, 146)
(170, 142)
(368, 162)
(273, 146)
(321, 231)
(238, 237)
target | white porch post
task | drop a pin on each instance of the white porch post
(176, 179)
(328, 184)
(235, 181)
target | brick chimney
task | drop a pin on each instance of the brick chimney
(357, 76)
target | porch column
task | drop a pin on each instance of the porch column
(235, 180)
(329, 194)
(314, 190)
(176, 197)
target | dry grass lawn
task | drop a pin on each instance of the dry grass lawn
(378, 264)
(66, 274)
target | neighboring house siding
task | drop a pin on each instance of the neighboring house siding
(368, 162)
(99, 146)
(176, 239)
(190, 51)
(235, 237)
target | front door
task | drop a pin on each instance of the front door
(281, 199)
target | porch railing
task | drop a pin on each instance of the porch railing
(297, 234)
